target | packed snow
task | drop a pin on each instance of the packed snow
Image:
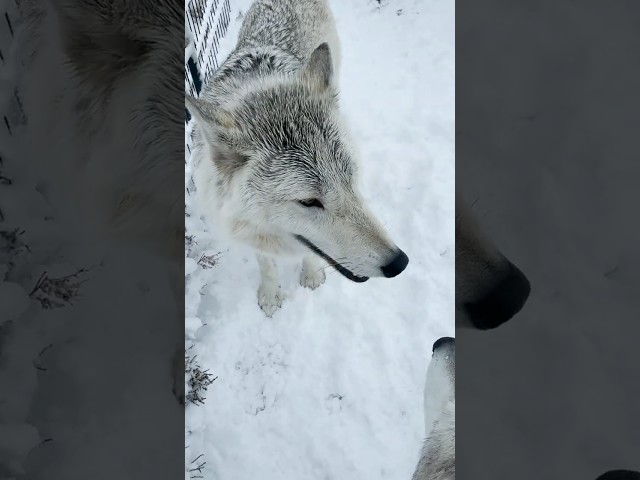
(551, 166)
(71, 398)
(331, 387)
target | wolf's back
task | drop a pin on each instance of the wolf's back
(296, 26)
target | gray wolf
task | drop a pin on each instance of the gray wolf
(438, 457)
(111, 119)
(490, 289)
(274, 167)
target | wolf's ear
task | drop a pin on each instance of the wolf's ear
(205, 114)
(319, 69)
(227, 160)
(210, 119)
(199, 109)
(195, 107)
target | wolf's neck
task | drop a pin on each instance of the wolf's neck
(247, 64)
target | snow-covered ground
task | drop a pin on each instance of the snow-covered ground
(83, 380)
(554, 175)
(331, 387)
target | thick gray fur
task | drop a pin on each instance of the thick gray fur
(438, 456)
(269, 135)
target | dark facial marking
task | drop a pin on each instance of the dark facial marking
(311, 203)
(346, 273)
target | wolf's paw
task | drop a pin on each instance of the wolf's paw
(270, 298)
(312, 278)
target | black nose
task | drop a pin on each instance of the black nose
(442, 341)
(503, 301)
(620, 475)
(397, 265)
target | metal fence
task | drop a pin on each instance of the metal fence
(207, 20)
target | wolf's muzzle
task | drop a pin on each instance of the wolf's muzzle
(442, 342)
(344, 271)
(396, 266)
(502, 302)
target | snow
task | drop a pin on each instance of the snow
(554, 174)
(332, 386)
(14, 301)
(74, 380)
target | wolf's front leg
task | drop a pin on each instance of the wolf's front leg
(312, 275)
(270, 294)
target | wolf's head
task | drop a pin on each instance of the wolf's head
(490, 289)
(281, 141)
(440, 388)
(439, 454)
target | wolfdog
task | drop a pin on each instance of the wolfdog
(274, 166)
(113, 68)
(490, 289)
(438, 458)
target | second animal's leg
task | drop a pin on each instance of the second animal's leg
(270, 295)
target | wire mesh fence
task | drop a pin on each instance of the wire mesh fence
(207, 22)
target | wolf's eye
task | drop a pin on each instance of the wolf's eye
(312, 202)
